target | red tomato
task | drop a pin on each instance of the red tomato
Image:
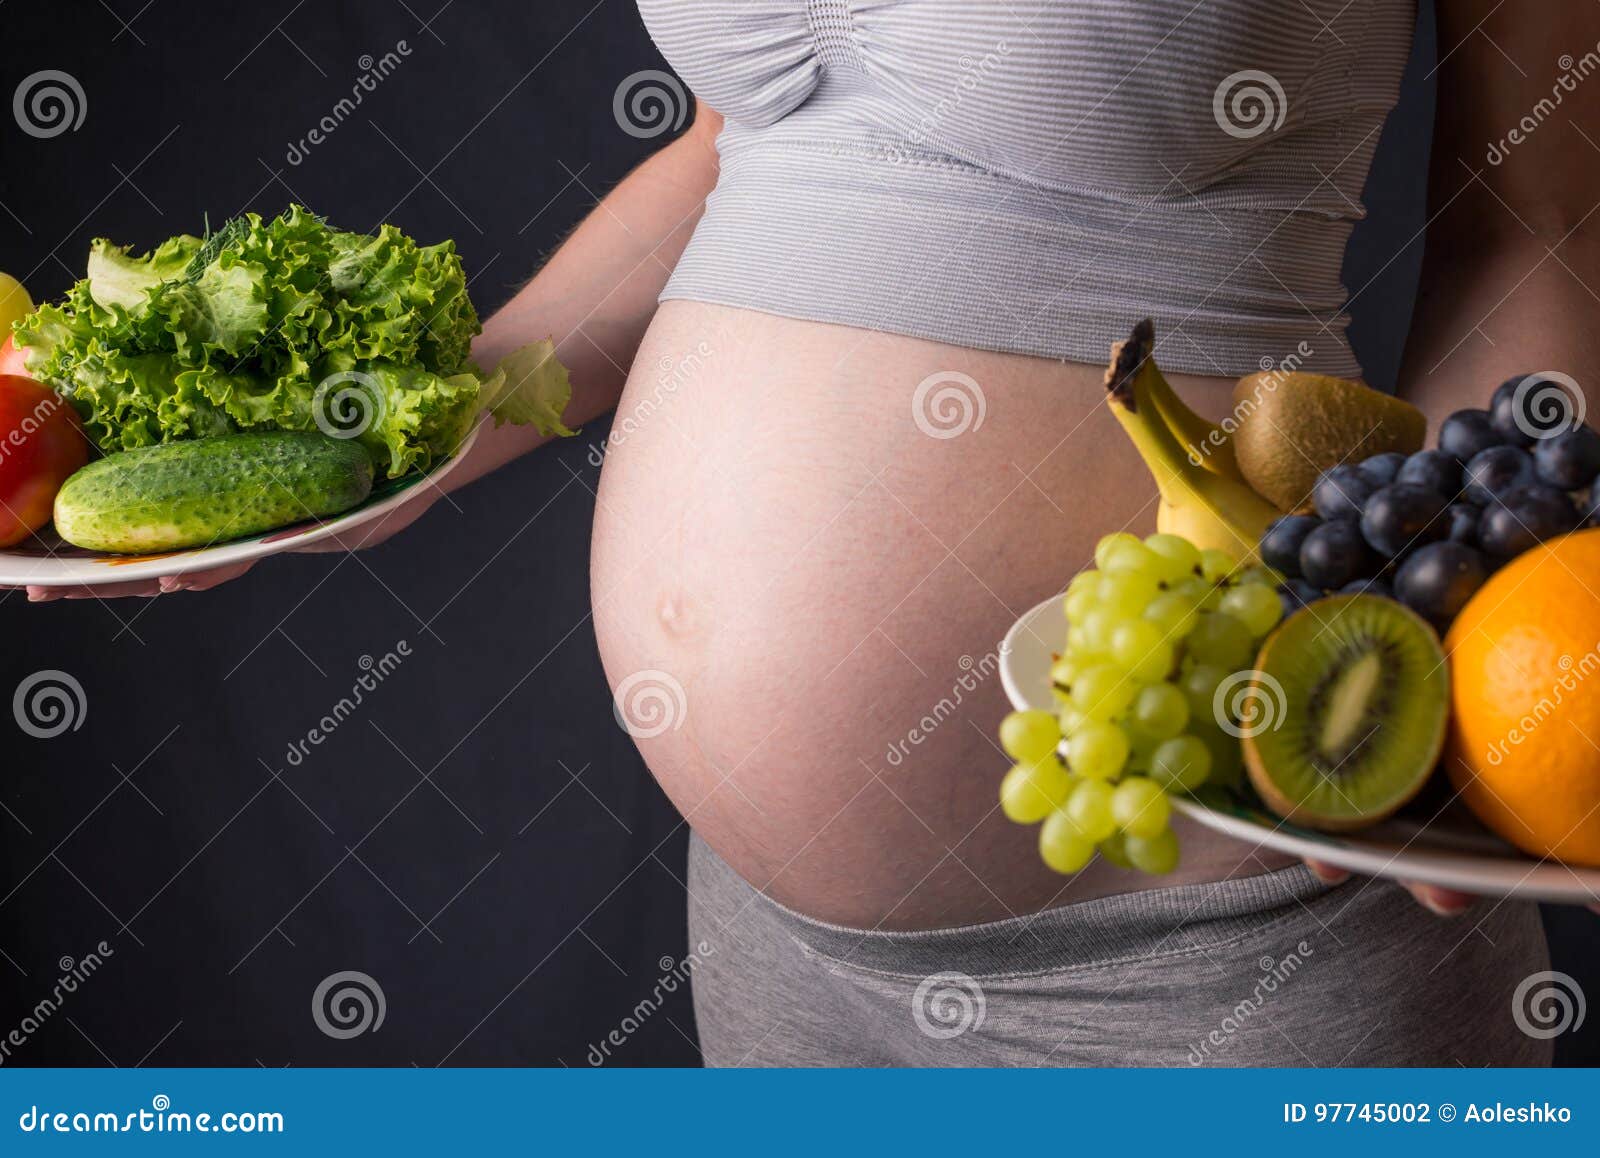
(41, 444)
(12, 358)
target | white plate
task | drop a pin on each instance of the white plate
(1422, 843)
(50, 562)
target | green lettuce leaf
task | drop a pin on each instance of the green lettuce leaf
(117, 280)
(530, 385)
(264, 323)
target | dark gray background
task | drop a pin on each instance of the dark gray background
(481, 838)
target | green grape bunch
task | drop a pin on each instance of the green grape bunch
(1152, 631)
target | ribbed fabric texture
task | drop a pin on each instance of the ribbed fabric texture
(1034, 177)
(1125, 927)
(1346, 975)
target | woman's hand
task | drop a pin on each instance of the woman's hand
(366, 535)
(1440, 901)
(193, 581)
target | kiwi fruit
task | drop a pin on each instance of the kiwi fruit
(1289, 428)
(1361, 719)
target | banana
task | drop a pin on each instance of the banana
(1207, 507)
(1205, 443)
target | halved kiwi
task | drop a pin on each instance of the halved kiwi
(1361, 718)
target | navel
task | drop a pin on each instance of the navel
(678, 615)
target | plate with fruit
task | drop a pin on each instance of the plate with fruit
(1326, 659)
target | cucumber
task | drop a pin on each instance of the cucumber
(210, 490)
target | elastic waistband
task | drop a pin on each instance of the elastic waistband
(859, 234)
(1125, 927)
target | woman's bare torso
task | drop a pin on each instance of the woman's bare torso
(825, 570)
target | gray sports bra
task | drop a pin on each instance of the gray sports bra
(1035, 176)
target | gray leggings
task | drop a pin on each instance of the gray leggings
(1273, 970)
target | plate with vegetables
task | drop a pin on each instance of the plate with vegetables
(233, 395)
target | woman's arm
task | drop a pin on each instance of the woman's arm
(1511, 274)
(596, 296)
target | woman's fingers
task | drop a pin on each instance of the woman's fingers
(368, 535)
(143, 589)
(1440, 901)
(1328, 874)
(166, 585)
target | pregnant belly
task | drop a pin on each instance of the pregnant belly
(802, 566)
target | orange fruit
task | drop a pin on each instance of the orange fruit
(1524, 744)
